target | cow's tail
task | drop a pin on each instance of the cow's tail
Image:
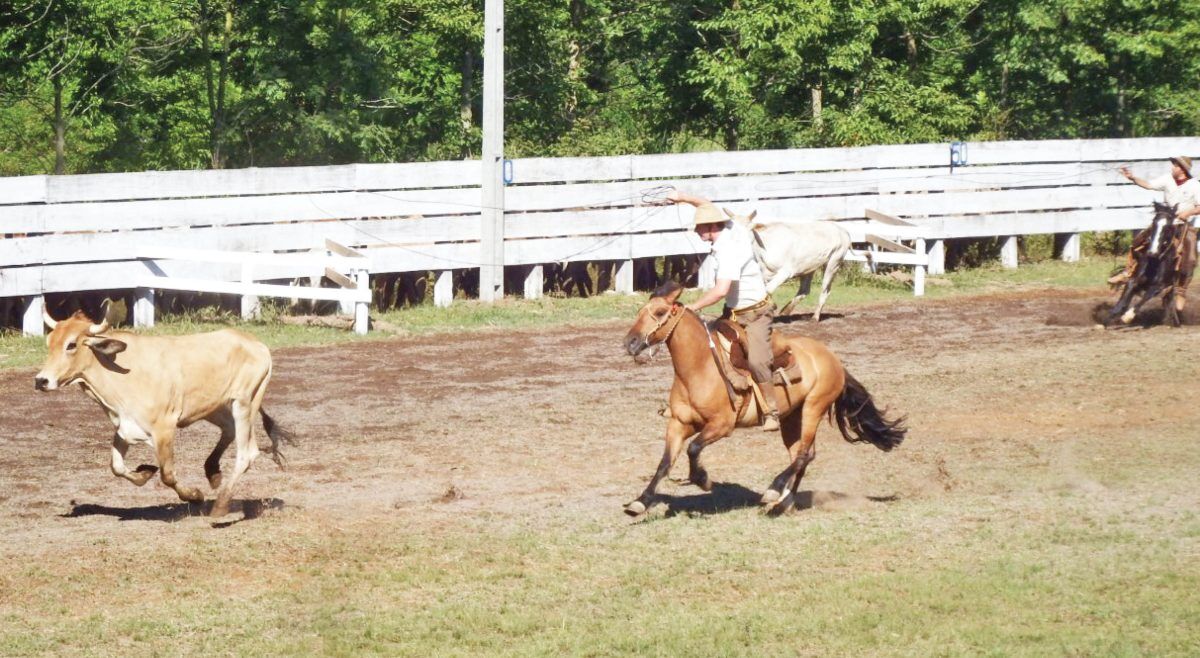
(278, 436)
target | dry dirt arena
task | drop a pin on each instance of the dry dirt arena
(1010, 397)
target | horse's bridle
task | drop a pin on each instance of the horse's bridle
(672, 318)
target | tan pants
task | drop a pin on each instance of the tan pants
(1187, 261)
(757, 323)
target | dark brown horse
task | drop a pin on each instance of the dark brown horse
(1160, 268)
(700, 405)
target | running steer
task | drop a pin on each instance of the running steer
(152, 385)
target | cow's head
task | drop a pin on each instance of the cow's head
(744, 220)
(75, 345)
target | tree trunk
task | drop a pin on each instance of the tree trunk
(60, 129)
(817, 91)
(215, 90)
(466, 114)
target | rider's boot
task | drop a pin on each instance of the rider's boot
(770, 410)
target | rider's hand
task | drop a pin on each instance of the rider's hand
(673, 196)
(1126, 173)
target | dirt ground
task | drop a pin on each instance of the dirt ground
(561, 423)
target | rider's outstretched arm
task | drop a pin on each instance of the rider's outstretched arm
(1140, 182)
(683, 197)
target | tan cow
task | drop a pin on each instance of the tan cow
(152, 385)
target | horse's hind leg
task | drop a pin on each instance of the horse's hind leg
(802, 451)
(789, 427)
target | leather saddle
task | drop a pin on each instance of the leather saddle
(730, 339)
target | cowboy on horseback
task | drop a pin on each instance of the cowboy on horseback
(740, 282)
(1183, 192)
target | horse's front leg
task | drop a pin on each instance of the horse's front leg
(677, 434)
(1122, 307)
(711, 433)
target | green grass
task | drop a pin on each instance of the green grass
(853, 288)
(897, 581)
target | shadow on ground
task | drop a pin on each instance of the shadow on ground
(250, 509)
(727, 497)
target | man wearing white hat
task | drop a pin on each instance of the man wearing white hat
(1182, 191)
(740, 283)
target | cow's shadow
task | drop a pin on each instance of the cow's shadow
(250, 509)
(806, 316)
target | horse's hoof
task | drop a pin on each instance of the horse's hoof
(635, 509)
(703, 482)
(214, 481)
(769, 498)
(1127, 317)
(780, 507)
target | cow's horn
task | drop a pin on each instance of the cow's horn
(50, 322)
(98, 328)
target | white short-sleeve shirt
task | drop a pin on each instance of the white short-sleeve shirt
(734, 254)
(1186, 196)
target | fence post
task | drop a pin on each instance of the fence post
(362, 281)
(919, 271)
(31, 319)
(250, 307)
(1070, 248)
(534, 282)
(143, 307)
(937, 258)
(443, 289)
(1008, 252)
(347, 307)
(624, 278)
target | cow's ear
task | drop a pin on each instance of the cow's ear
(107, 346)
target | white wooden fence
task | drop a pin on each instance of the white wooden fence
(88, 232)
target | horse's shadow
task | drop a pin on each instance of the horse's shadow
(727, 497)
(250, 508)
(803, 316)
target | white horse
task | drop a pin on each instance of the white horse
(785, 250)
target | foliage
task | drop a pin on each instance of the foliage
(102, 85)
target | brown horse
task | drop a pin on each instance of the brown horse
(700, 404)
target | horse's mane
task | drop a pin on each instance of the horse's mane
(1161, 208)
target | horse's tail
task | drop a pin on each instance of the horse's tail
(278, 435)
(860, 420)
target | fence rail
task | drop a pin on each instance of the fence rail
(77, 233)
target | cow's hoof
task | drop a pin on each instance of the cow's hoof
(193, 496)
(142, 474)
(636, 508)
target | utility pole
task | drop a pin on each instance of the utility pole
(491, 270)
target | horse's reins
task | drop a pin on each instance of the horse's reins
(676, 314)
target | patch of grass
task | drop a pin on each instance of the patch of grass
(852, 288)
(897, 581)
